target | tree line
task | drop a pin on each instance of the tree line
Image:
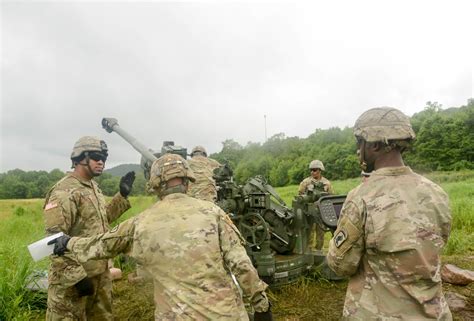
(445, 141)
(19, 184)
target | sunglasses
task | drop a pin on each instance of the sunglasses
(315, 169)
(98, 156)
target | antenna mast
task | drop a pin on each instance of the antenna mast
(265, 120)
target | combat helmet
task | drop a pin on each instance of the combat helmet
(88, 144)
(316, 164)
(167, 167)
(383, 124)
(199, 149)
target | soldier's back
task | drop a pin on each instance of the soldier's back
(400, 202)
(204, 187)
(177, 241)
(406, 226)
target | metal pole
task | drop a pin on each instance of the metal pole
(265, 118)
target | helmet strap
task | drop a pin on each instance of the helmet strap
(87, 164)
(363, 163)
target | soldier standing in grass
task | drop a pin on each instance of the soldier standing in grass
(391, 230)
(188, 246)
(316, 167)
(75, 205)
(203, 168)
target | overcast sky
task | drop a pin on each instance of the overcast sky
(203, 72)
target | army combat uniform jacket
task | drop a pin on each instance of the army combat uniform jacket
(311, 181)
(388, 240)
(205, 186)
(190, 248)
(76, 207)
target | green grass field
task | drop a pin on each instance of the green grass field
(21, 223)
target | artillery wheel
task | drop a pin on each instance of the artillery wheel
(254, 229)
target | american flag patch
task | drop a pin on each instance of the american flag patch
(50, 206)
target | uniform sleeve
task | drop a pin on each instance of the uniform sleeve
(214, 164)
(239, 264)
(60, 212)
(104, 246)
(302, 187)
(329, 188)
(347, 245)
(445, 218)
(117, 206)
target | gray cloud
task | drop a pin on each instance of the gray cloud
(199, 73)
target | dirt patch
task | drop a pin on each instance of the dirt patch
(309, 299)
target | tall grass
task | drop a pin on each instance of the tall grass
(16, 301)
(19, 229)
(461, 195)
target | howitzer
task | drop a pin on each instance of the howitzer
(277, 237)
(148, 155)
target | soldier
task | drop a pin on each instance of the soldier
(391, 230)
(190, 248)
(75, 205)
(316, 167)
(203, 168)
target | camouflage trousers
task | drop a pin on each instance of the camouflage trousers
(316, 238)
(65, 304)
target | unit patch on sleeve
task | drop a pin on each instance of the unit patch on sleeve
(340, 238)
(50, 206)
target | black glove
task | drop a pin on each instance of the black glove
(263, 316)
(126, 183)
(84, 287)
(60, 244)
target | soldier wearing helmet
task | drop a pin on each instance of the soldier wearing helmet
(188, 246)
(75, 206)
(391, 230)
(315, 181)
(316, 167)
(203, 167)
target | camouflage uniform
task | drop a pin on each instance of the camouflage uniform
(77, 207)
(303, 188)
(205, 187)
(190, 248)
(316, 234)
(389, 239)
(391, 230)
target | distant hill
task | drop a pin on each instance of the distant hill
(123, 169)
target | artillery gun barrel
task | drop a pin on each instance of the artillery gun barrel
(111, 125)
